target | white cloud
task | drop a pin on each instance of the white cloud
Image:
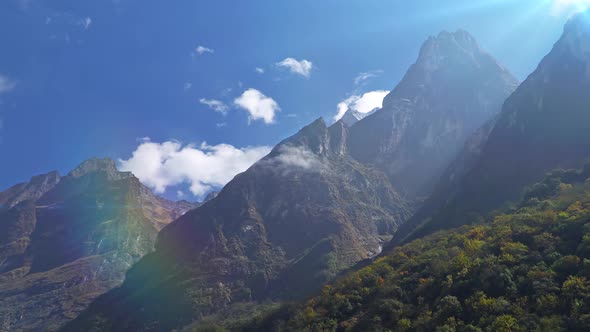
(187, 86)
(294, 158)
(6, 84)
(568, 7)
(363, 77)
(203, 168)
(202, 50)
(259, 106)
(259, 70)
(302, 67)
(216, 105)
(364, 103)
(298, 157)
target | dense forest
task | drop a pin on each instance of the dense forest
(523, 269)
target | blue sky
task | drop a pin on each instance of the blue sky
(84, 78)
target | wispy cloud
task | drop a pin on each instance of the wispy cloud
(203, 168)
(6, 84)
(202, 50)
(259, 70)
(259, 106)
(361, 78)
(294, 158)
(216, 105)
(299, 67)
(86, 22)
(364, 103)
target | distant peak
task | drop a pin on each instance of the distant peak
(448, 43)
(45, 178)
(319, 122)
(353, 116)
(577, 35)
(94, 165)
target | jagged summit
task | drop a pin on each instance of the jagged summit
(543, 126)
(32, 190)
(106, 165)
(453, 89)
(446, 42)
(577, 35)
(353, 116)
(72, 238)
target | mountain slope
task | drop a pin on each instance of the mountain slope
(66, 240)
(278, 231)
(453, 89)
(527, 270)
(543, 125)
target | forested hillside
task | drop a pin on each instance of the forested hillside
(527, 269)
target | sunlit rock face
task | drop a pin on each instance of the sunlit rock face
(453, 89)
(66, 240)
(543, 125)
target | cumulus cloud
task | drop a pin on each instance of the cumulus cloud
(205, 167)
(299, 67)
(364, 103)
(216, 105)
(365, 76)
(202, 50)
(6, 84)
(568, 7)
(259, 106)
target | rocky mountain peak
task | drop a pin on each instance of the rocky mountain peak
(103, 165)
(452, 90)
(447, 44)
(543, 126)
(577, 36)
(32, 190)
(353, 116)
(313, 137)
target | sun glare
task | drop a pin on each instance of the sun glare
(561, 7)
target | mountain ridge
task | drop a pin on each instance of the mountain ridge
(66, 240)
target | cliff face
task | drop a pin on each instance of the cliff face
(66, 240)
(452, 90)
(543, 126)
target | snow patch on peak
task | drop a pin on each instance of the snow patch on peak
(353, 116)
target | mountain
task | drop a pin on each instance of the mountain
(319, 203)
(278, 231)
(543, 126)
(527, 270)
(353, 116)
(66, 240)
(448, 183)
(452, 90)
